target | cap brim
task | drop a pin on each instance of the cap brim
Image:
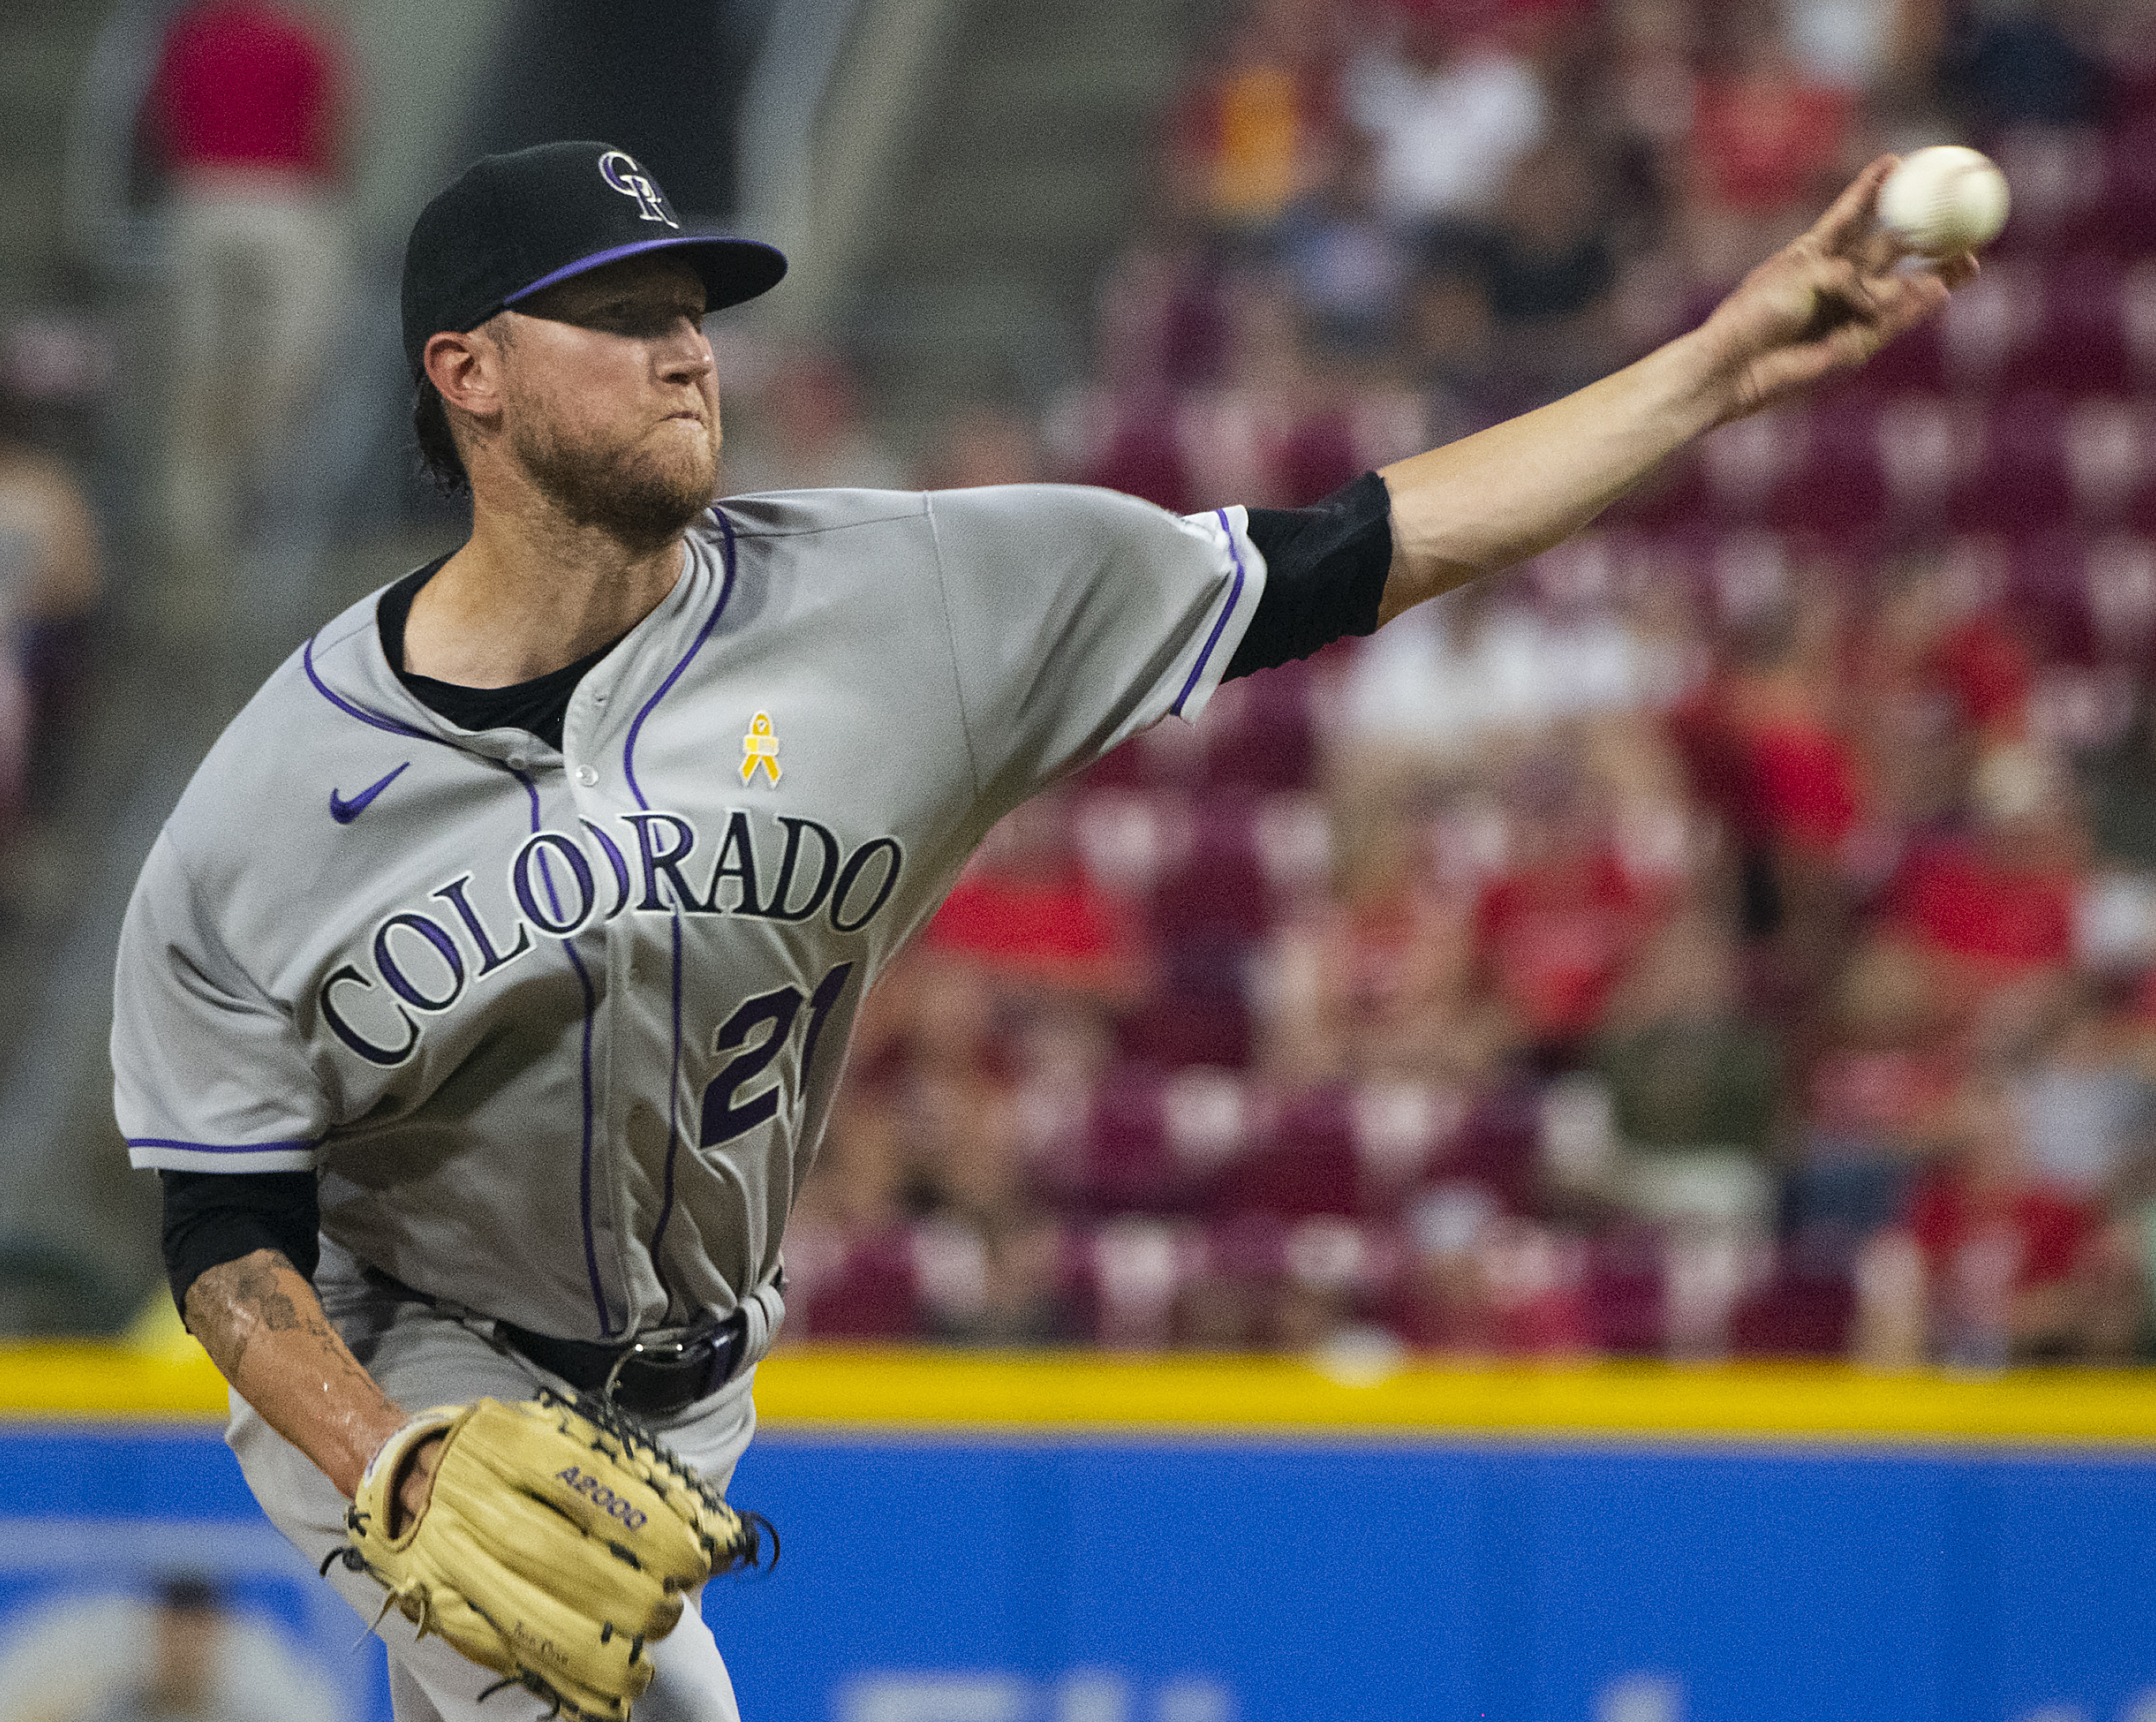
(734, 271)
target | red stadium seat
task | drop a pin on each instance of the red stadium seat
(1309, 1165)
(1987, 322)
(1219, 892)
(2059, 177)
(1625, 1291)
(1123, 1161)
(1804, 1309)
(2077, 344)
(1838, 486)
(1924, 440)
(2106, 445)
(1401, 1130)
(2129, 180)
(2020, 483)
(852, 1288)
(1318, 457)
(1258, 732)
(1143, 457)
(2119, 575)
(2048, 596)
(1189, 1026)
(1129, 1272)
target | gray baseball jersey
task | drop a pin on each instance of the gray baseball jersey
(559, 1030)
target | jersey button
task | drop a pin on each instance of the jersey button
(517, 761)
(587, 776)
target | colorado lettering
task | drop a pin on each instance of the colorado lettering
(550, 917)
(419, 962)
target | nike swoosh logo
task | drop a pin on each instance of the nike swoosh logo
(344, 812)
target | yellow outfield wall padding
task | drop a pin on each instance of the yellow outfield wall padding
(834, 1389)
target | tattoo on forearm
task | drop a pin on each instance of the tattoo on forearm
(231, 1303)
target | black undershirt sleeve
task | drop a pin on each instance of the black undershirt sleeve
(1325, 574)
(212, 1218)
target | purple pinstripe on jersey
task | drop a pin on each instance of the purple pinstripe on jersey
(628, 771)
(703, 634)
(220, 1146)
(344, 706)
(607, 1328)
(1234, 596)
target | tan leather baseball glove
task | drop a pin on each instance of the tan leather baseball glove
(556, 1548)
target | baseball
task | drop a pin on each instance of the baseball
(1945, 200)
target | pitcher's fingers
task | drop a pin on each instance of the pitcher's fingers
(1848, 220)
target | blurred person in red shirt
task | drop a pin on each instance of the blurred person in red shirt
(247, 114)
(2014, 1263)
(1878, 1098)
(1766, 138)
(1768, 749)
(1994, 909)
(1027, 914)
(1558, 926)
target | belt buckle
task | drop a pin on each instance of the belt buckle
(656, 1351)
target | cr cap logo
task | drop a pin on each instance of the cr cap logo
(619, 169)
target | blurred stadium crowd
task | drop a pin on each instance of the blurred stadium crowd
(1736, 932)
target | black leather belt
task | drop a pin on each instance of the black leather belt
(653, 1375)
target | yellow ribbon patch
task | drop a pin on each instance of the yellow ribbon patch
(759, 750)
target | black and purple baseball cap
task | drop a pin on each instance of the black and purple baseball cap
(512, 225)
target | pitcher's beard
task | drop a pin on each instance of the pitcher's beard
(640, 499)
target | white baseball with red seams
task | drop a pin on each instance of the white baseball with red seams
(1945, 200)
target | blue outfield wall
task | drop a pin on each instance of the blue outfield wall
(1173, 1578)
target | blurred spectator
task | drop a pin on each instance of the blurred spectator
(247, 114)
(2119, 786)
(2021, 64)
(1451, 109)
(1765, 743)
(1477, 666)
(2086, 1107)
(999, 1284)
(1996, 910)
(1380, 982)
(1258, 132)
(1861, 45)
(1557, 927)
(1696, 1085)
(1716, 955)
(2013, 1263)
(49, 582)
(188, 1680)
(1054, 960)
(1768, 143)
(1479, 1282)
(1877, 1100)
(1350, 270)
(1550, 265)
(803, 430)
(985, 443)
